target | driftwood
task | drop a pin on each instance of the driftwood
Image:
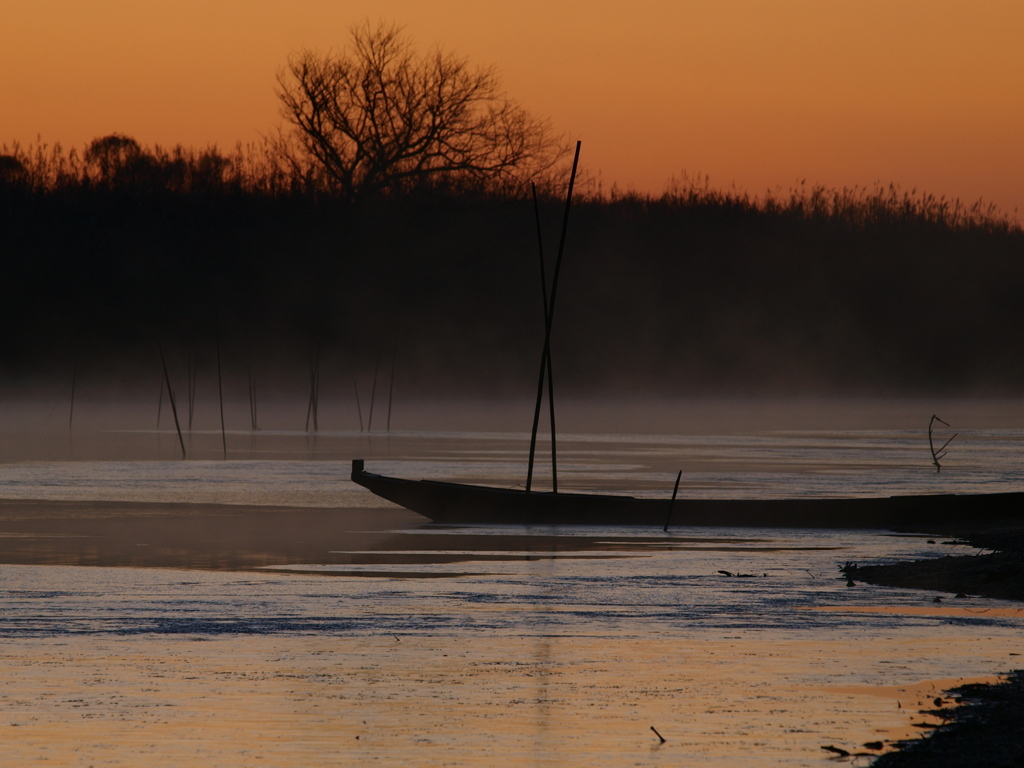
(941, 452)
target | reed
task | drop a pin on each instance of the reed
(260, 170)
(689, 292)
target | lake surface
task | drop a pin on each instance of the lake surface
(379, 639)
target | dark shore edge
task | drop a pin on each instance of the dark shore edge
(985, 727)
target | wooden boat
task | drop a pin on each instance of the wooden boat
(457, 503)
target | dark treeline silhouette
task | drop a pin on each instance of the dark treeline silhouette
(380, 118)
(109, 251)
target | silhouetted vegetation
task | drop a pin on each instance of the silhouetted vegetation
(378, 117)
(109, 250)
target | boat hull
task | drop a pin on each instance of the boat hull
(457, 503)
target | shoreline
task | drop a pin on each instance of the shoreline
(243, 537)
(985, 725)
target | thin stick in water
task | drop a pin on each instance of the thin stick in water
(192, 391)
(668, 517)
(170, 396)
(71, 413)
(160, 403)
(550, 317)
(314, 390)
(391, 388)
(189, 391)
(316, 394)
(546, 362)
(373, 393)
(220, 397)
(359, 408)
(941, 452)
(254, 422)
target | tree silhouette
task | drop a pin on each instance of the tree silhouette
(110, 158)
(378, 118)
(12, 170)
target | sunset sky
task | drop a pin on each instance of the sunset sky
(757, 94)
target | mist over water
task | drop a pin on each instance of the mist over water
(266, 595)
(697, 294)
(725, 447)
(204, 344)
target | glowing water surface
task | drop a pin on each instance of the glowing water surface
(501, 645)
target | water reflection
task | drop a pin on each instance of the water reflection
(238, 626)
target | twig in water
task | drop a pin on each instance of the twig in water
(941, 453)
(675, 491)
(252, 399)
(192, 393)
(314, 391)
(359, 408)
(391, 388)
(373, 394)
(160, 403)
(316, 400)
(191, 389)
(170, 396)
(220, 393)
(71, 414)
(836, 750)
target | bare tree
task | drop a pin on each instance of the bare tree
(379, 118)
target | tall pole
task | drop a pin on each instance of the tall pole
(252, 400)
(170, 396)
(547, 360)
(675, 492)
(220, 396)
(71, 414)
(314, 390)
(549, 320)
(373, 393)
(391, 388)
(359, 408)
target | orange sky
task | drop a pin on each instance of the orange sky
(756, 93)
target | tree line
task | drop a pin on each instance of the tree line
(397, 209)
(696, 290)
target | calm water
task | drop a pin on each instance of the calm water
(500, 646)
